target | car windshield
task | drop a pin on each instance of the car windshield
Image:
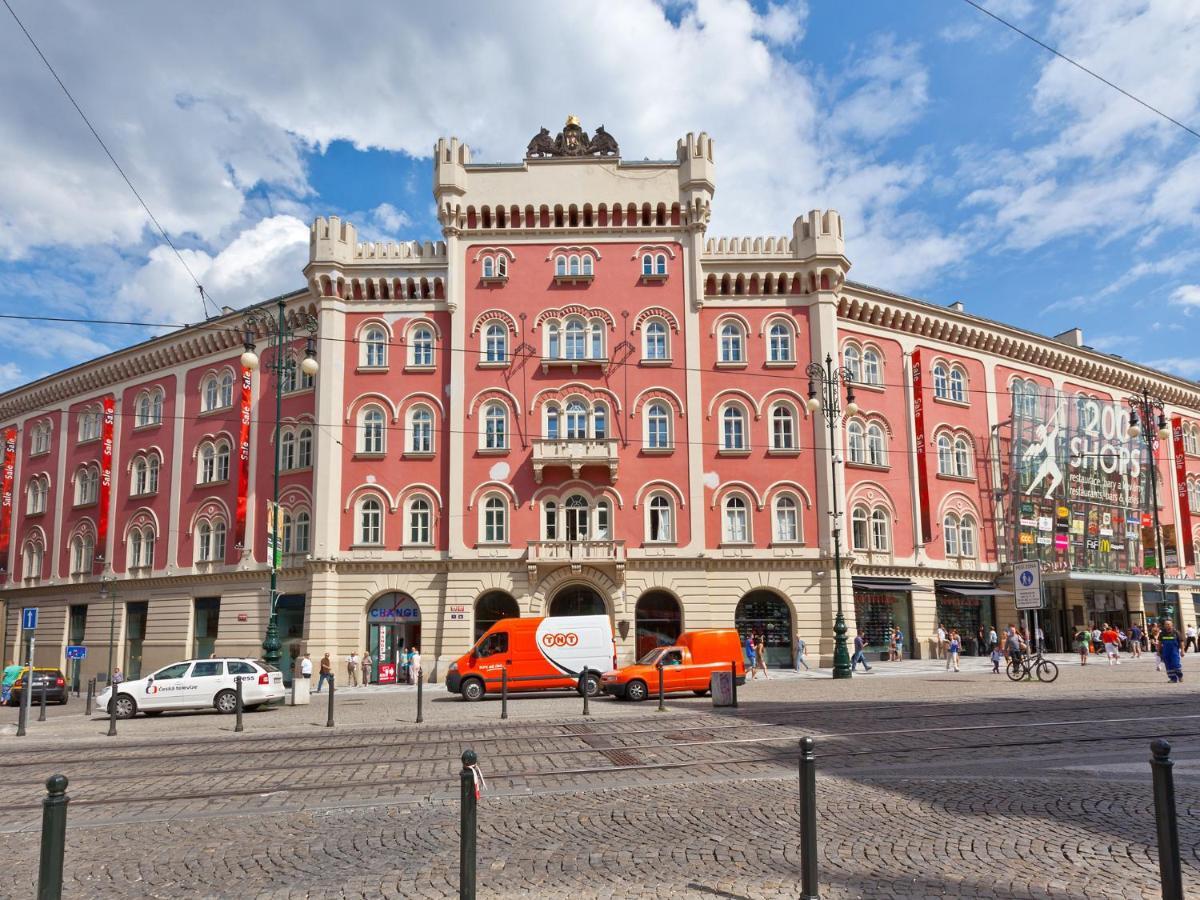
(266, 667)
(651, 658)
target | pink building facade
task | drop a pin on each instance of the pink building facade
(577, 401)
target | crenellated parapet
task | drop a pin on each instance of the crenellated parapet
(332, 241)
(813, 259)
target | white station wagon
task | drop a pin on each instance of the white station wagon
(196, 684)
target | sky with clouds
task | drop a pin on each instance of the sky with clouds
(968, 163)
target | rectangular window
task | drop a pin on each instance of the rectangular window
(135, 635)
(208, 616)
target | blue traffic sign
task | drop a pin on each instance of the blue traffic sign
(1026, 578)
(29, 618)
(74, 652)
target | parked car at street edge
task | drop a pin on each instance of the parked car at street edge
(52, 679)
(196, 684)
(688, 665)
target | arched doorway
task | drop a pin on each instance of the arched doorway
(578, 600)
(658, 621)
(766, 613)
(491, 608)
(393, 624)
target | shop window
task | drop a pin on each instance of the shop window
(658, 621)
(767, 614)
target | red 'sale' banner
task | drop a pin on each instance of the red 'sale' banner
(918, 380)
(6, 496)
(106, 455)
(1185, 504)
(239, 528)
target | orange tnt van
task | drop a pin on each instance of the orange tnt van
(687, 665)
(539, 654)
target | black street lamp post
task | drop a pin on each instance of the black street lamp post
(1142, 408)
(830, 378)
(282, 363)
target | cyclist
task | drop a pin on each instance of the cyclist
(1014, 644)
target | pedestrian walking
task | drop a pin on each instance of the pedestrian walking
(801, 647)
(751, 657)
(367, 665)
(893, 653)
(11, 673)
(408, 666)
(352, 669)
(997, 658)
(899, 644)
(860, 643)
(953, 648)
(1097, 646)
(1190, 642)
(993, 638)
(760, 653)
(980, 642)
(939, 641)
(1083, 640)
(414, 664)
(1155, 634)
(306, 668)
(325, 674)
(1169, 652)
(1109, 638)
(1040, 638)
(1135, 641)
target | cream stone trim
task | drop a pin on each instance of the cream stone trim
(420, 487)
(352, 408)
(576, 485)
(370, 487)
(514, 403)
(657, 393)
(736, 486)
(491, 487)
(421, 396)
(788, 485)
(796, 397)
(575, 309)
(965, 505)
(660, 484)
(740, 319)
(568, 249)
(653, 248)
(655, 312)
(480, 251)
(737, 392)
(576, 388)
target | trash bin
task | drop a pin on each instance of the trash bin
(301, 686)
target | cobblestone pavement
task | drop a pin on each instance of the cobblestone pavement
(930, 785)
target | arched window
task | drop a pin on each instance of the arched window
(304, 448)
(783, 427)
(87, 486)
(576, 338)
(737, 525)
(575, 513)
(658, 426)
(40, 439)
(287, 449)
(945, 455)
(145, 475)
(36, 495)
(420, 520)
(574, 265)
(876, 449)
(962, 458)
(587, 264)
(856, 441)
(222, 461)
(421, 430)
(603, 530)
(550, 520)
(489, 267)
(941, 381)
(655, 336)
(553, 340)
(371, 431)
(83, 553)
(733, 428)
(596, 339)
(733, 343)
(1024, 398)
(495, 520)
(787, 519)
(31, 568)
(660, 264)
(370, 521)
(374, 348)
(660, 519)
(600, 421)
(501, 266)
(142, 411)
(881, 538)
(302, 529)
(495, 343)
(226, 389)
(211, 394)
(966, 536)
(647, 264)
(950, 535)
(958, 385)
(141, 547)
(779, 339)
(495, 427)
(421, 347)
(553, 416)
(852, 359)
(576, 420)
(560, 265)
(859, 535)
(872, 370)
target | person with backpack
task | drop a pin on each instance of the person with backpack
(953, 648)
(751, 657)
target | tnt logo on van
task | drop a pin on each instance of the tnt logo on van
(568, 639)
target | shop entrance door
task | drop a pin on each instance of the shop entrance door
(386, 643)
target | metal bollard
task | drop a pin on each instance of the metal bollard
(54, 838)
(329, 721)
(661, 706)
(239, 707)
(1164, 815)
(504, 693)
(87, 712)
(112, 710)
(466, 828)
(809, 885)
(733, 675)
(420, 701)
(23, 712)
(42, 711)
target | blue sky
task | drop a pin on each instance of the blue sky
(968, 163)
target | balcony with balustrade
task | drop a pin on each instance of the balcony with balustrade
(575, 453)
(576, 554)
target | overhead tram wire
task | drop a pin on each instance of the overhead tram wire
(1082, 67)
(474, 351)
(205, 299)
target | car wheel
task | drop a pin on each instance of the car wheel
(591, 685)
(126, 707)
(226, 702)
(472, 689)
(153, 712)
(64, 700)
(636, 691)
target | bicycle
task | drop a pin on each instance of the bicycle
(1032, 664)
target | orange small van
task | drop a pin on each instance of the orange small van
(539, 654)
(688, 665)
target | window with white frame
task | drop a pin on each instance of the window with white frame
(876, 445)
(852, 360)
(296, 379)
(658, 426)
(87, 485)
(856, 442)
(83, 554)
(962, 458)
(575, 332)
(144, 479)
(654, 337)
(859, 532)
(958, 385)
(1024, 398)
(966, 535)
(872, 367)
(420, 521)
(140, 550)
(148, 408)
(304, 448)
(210, 540)
(733, 428)
(1191, 440)
(603, 530)
(370, 521)
(553, 421)
(600, 420)
(958, 534)
(214, 461)
(495, 343)
(553, 340)
(780, 346)
(881, 532)
(661, 519)
(945, 451)
(654, 264)
(420, 430)
(489, 267)
(287, 449)
(495, 427)
(296, 530)
(39, 440)
(941, 381)
(31, 559)
(374, 347)
(733, 343)
(573, 265)
(949, 383)
(783, 427)
(550, 520)
(420, 347)
(371, 430)
(36, 495)
(950, 534)
(89, 424)
(870, 529)
(787, 519)
(737, 522)
(576, 420)
(495, 519)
